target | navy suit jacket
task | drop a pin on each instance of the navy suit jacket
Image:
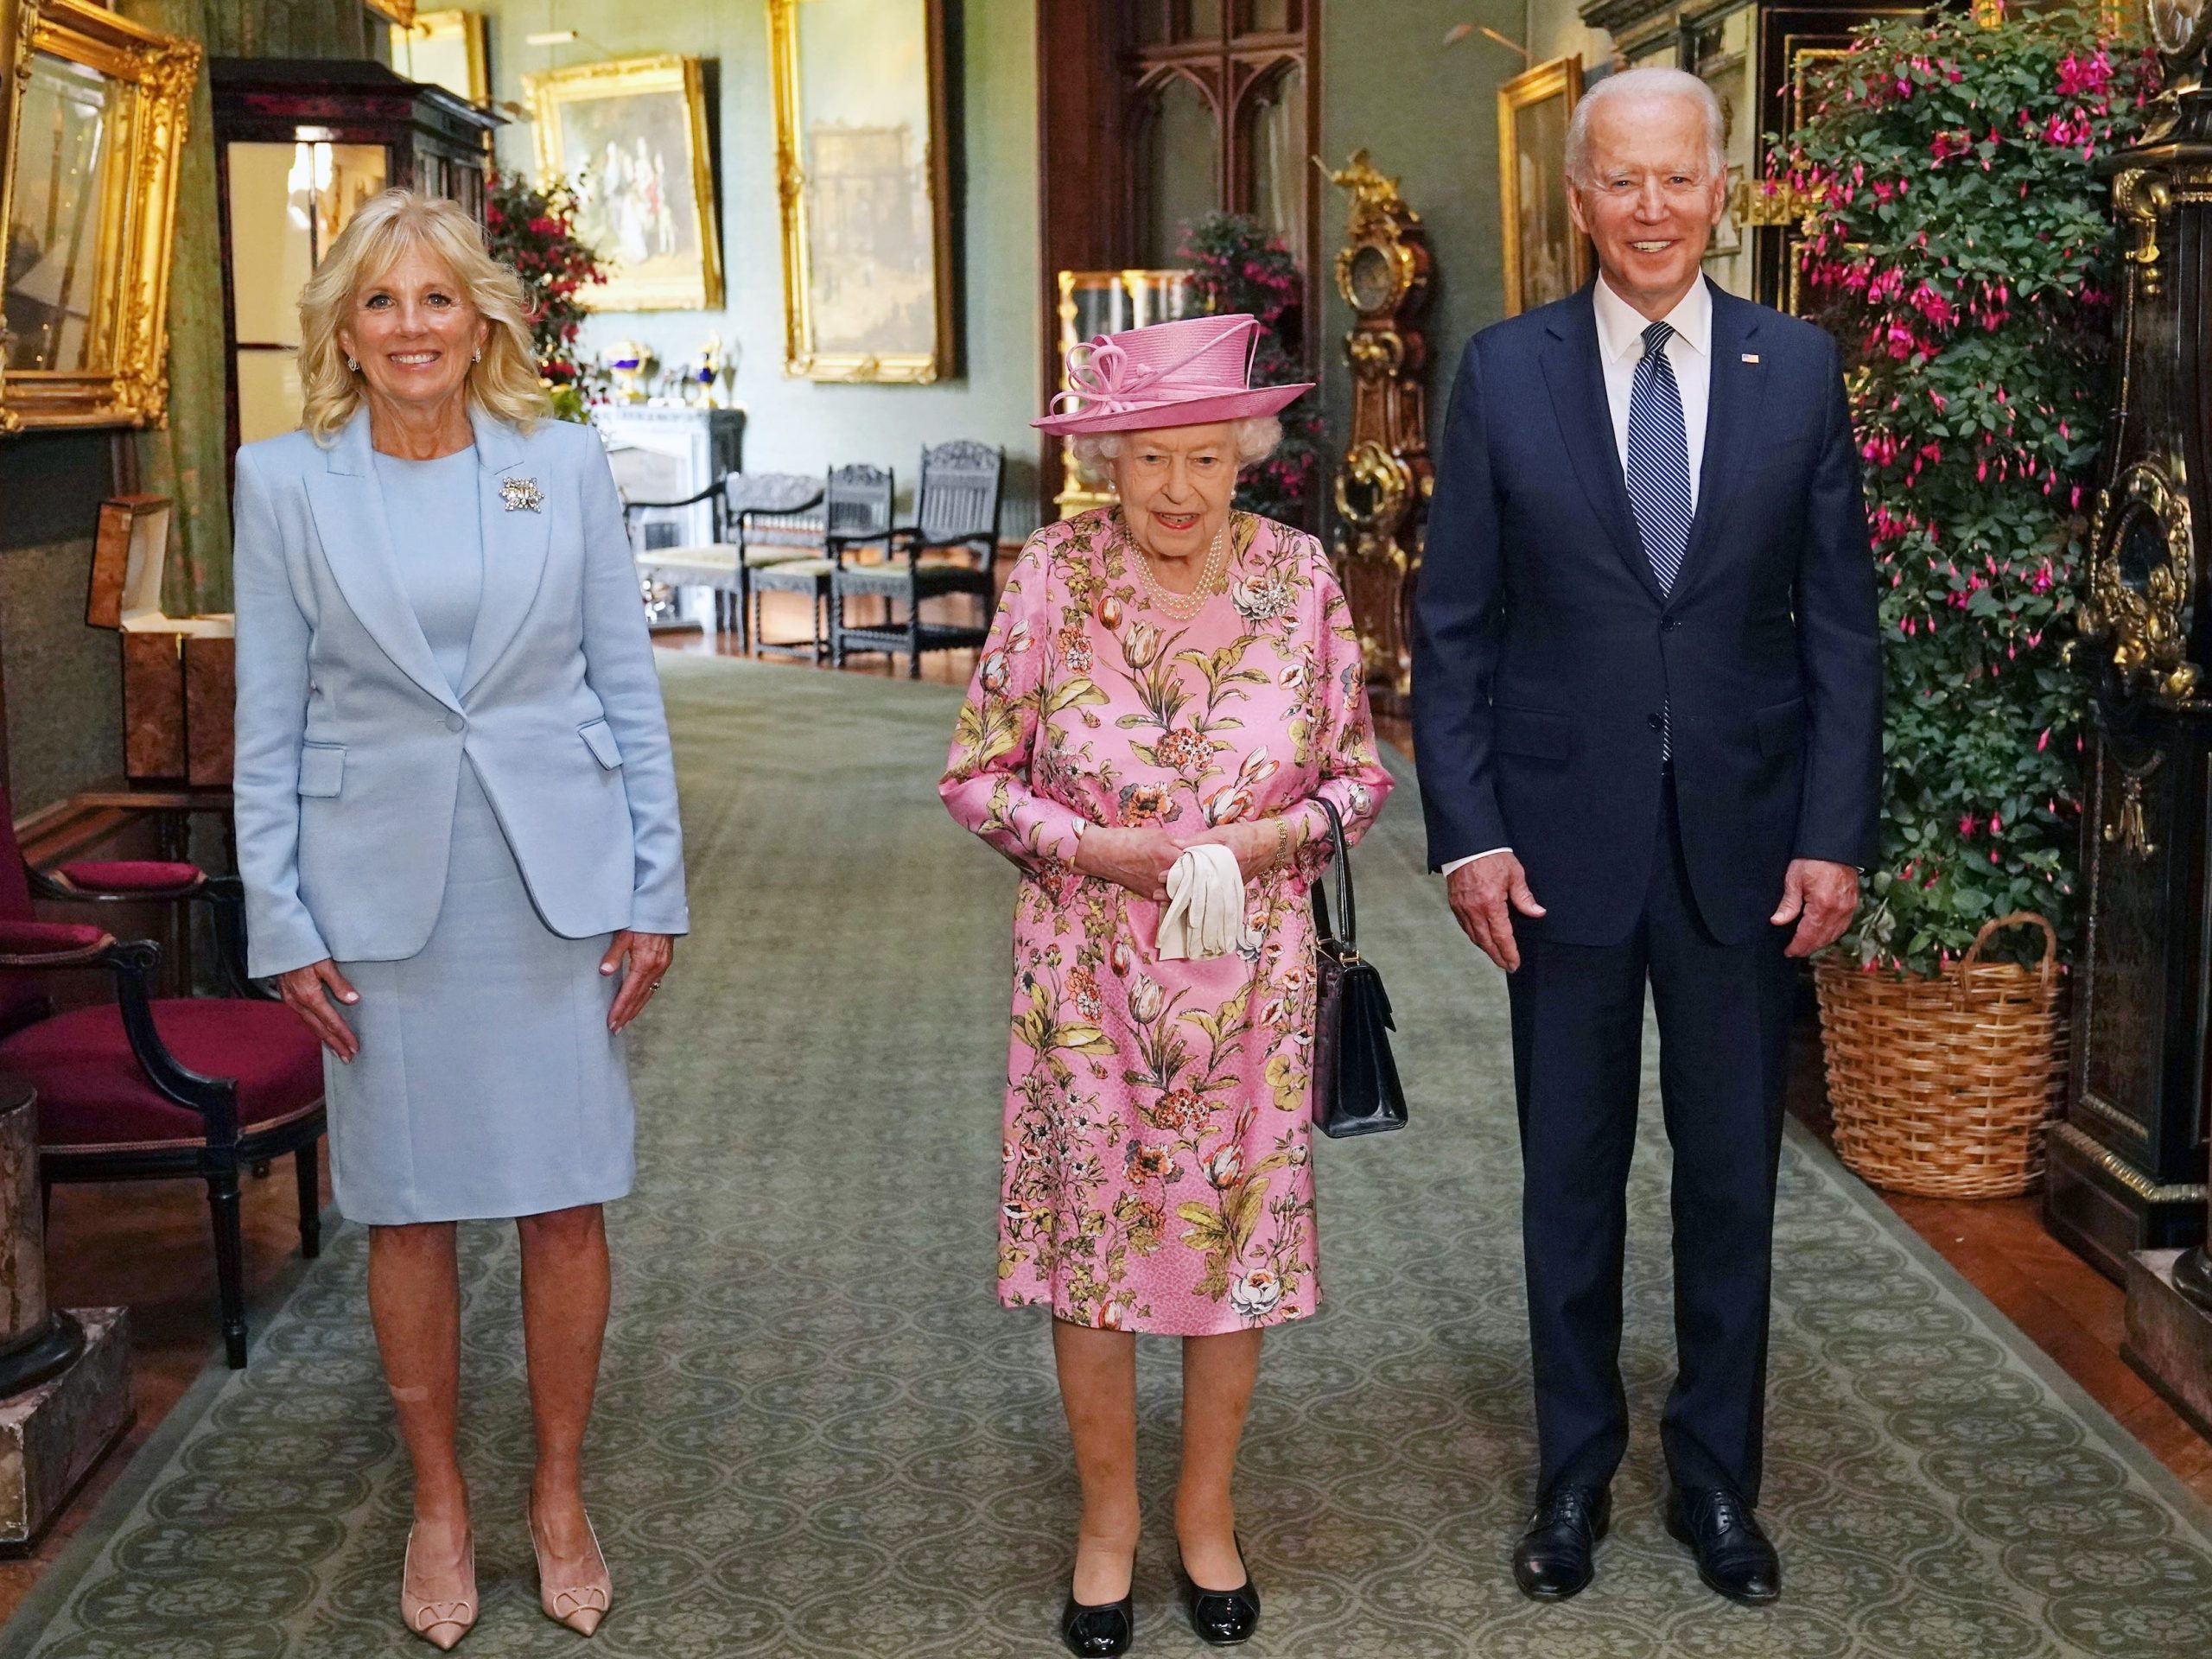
(1544, 651)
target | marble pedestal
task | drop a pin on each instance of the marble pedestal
(52, 1435)
(2169, 1337)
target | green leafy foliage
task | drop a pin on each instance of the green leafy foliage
(533, 229)
(1962, 249)
(1238, 264)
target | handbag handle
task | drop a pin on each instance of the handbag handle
(1349, 937)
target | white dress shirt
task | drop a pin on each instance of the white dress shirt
(1620, 348)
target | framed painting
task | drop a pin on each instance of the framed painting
(863, 178)
(1546, 257)
(89, 152)
(444, 48)
(632, 134)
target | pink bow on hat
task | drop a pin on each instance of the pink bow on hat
(1199, 369)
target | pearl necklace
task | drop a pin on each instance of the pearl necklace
(1184, 606)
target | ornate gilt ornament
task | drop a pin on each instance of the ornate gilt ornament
(1381, 485)
(2178, 27)
(2139, 584)
(2143, 198)
(91, 211)
(2129, 829)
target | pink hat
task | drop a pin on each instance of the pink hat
(1185, 373)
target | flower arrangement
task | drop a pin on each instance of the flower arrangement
(533, 229)
(1959, 245)
(1237, 264)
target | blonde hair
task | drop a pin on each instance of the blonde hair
(504, 382)
(1254, 438)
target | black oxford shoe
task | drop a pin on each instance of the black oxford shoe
(1555, 1557)
(1734, 1557)
(1096, 1632)
(1222, 1618)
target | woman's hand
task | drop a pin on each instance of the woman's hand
(307, 992)
(1139, 859)
(650, 955)
(1254, 844)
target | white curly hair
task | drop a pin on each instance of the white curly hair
(1254, 438)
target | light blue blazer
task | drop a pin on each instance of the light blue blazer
(351, 742)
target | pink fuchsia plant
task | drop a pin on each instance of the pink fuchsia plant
(1237, 264)
(533, 229)
(1961, 248)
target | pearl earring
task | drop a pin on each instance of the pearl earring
(351, 367)
(476, 356)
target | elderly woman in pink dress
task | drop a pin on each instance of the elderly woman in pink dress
(1170, 690)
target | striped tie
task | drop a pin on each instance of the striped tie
(1659, 460)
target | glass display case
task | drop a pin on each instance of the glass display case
(301, 146)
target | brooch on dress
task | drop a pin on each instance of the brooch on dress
(521, 494)
(1260, 600)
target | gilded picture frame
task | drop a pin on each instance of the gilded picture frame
(90, 214)
(1546, 257)
(400, 11)
(863, 178)
(445, 48)
(632, 136)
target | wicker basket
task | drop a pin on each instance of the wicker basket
(1944, 1087)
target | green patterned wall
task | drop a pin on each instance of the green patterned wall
(63, 697)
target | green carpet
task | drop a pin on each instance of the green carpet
(819, 1436)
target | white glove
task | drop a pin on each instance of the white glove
(1205, 905)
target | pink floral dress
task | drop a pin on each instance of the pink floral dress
(1157, 1114)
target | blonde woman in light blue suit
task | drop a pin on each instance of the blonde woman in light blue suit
(457, 825)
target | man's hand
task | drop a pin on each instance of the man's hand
(1484, 896)
(1821, 898)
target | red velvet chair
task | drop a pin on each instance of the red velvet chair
(148, 1089)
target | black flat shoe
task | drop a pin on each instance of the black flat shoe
(1098, 1632)
(1222, 1618)
(1556, 1557)
(1734, 1557)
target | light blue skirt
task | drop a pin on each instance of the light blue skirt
(487, 1084)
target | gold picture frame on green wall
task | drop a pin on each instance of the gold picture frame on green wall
(1546, 257)
(863, 179)
(90, 147)
(632, 134)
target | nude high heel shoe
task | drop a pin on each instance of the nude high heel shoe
(441, 1623)
(581, 1603)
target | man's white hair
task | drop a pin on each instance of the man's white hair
(1646, 83)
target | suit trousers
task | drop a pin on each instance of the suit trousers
(1578, 1035)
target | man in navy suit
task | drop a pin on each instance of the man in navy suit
(1647, 714)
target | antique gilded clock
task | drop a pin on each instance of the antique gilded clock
(2128, 1165)
(1383, 481)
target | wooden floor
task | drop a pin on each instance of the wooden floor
(147, 1244)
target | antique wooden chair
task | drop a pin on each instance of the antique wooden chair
(950, 549)
(857, 514)
(779, 519)
(655, 531)
(146, 1088)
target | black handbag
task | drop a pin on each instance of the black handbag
(1355, 1079)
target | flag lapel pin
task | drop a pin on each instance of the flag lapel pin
(1751, 357)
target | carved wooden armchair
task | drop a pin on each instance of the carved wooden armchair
(147, 1088)
(950, 549)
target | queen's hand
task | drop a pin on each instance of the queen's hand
(1139, 859)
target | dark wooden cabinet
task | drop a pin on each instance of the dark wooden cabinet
(2128, 1166)
(299, 144)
